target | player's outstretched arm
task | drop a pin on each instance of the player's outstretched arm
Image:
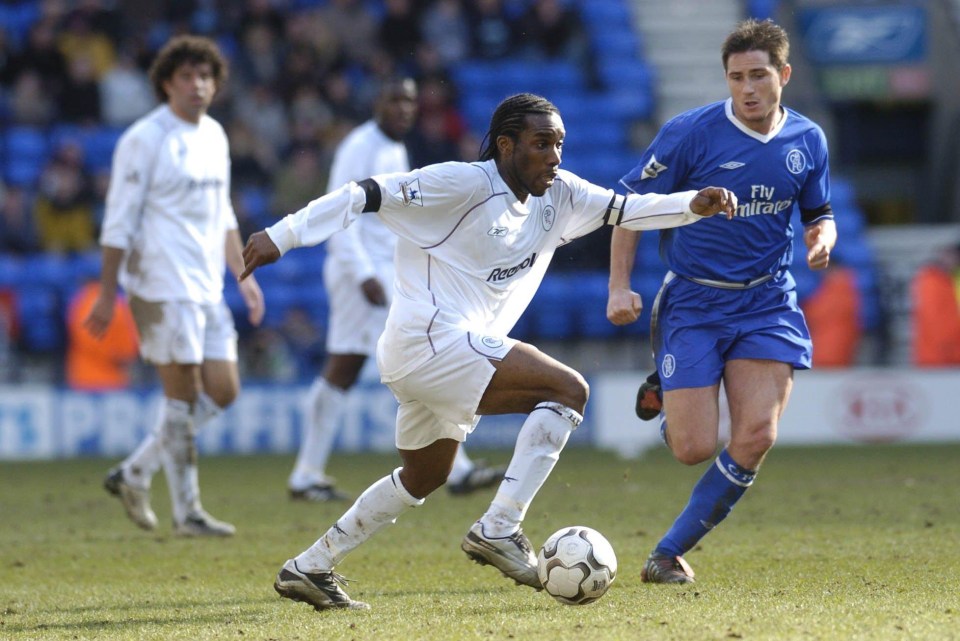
(260, 250)
(713, 200)
(312, 225)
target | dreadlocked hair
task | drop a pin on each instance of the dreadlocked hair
(509, 119)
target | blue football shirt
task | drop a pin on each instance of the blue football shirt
(771, 175)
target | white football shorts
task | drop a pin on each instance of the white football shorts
(439, 399)
(184, 332)
(355, 324)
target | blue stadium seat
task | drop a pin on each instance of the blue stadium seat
(607, 14)
(12, 269)
(476, 77)
(26, 150)
(560, 75)
(619, 73)
(630, 102)
(256, 203)
(86, 265)
(523, 329)
(552, 309)
(280, 298)
(762, 9)
(317, 306)
(612, 44)
(98, 145)
(590, 304)
(63, 133)
(16, 18)
(42, 328)
(49, 270)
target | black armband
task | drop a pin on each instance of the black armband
(614, 213)
(808, 216)
(372, 191)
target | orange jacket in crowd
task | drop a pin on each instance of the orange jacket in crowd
(102, 364)
(833, 316)
(936, 318)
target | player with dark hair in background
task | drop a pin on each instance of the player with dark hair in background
(358, 277)
(168, 230)
(728, 306)
(474, 243)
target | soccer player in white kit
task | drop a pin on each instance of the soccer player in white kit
(358, 276)
(169, 228)
(475, 241)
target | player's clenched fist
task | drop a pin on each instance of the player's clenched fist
(260, 250)
(713, 200)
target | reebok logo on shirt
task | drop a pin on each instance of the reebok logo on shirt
(500, 274)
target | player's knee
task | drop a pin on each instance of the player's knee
(574, 391)
(223, 397)
(691, 452)
(222, 391)
(421, 482)
(760, 442)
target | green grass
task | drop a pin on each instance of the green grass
(841, 543)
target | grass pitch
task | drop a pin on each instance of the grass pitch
(839, 543)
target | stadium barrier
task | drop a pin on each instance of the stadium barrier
(849, 406)
(841, 406)
(44, 422)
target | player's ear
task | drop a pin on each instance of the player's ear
(785, 74)
(504, 145)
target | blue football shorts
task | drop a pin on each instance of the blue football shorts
(697, 328)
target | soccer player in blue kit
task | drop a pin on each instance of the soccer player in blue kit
(727, 309)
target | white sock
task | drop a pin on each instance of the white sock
(179, 456)
(377, 507)
(324, 409)
(204, 411)
(145, 461)
(462, 466)
(541, 438)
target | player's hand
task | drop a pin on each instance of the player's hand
(101, 314)
(623, 306)
(259, 251)
(819, 242)
(713, 200)
(373, 291)
(253, 299)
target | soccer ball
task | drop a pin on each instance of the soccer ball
(576, 565)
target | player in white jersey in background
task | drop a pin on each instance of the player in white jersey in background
(168, 229)
(358, 276)
(474, 243)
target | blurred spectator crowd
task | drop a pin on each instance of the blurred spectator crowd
(73, 76)
(303, 73)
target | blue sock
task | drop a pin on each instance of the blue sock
(713, 497)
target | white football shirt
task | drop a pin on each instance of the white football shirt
(470, 255)
(363, 247)
(168, 207)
